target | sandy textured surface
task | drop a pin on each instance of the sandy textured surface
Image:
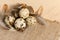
(35, 32)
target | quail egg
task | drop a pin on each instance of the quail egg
(24, 13)
(9, 20)
(31, 20)
(20, 24)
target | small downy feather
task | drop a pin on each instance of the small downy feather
(40, 19)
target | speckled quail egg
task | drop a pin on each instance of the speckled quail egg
(31, 20)
(9, 20)
(20, 24)
(24, 13)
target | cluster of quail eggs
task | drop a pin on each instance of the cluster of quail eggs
(20, 17)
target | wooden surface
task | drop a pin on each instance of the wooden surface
(35, 32)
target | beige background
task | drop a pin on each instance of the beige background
(38, 31)
(51, 7)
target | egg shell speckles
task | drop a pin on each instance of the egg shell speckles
(10, 19)
(31, 20)
(20, 23)
(24, 13)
